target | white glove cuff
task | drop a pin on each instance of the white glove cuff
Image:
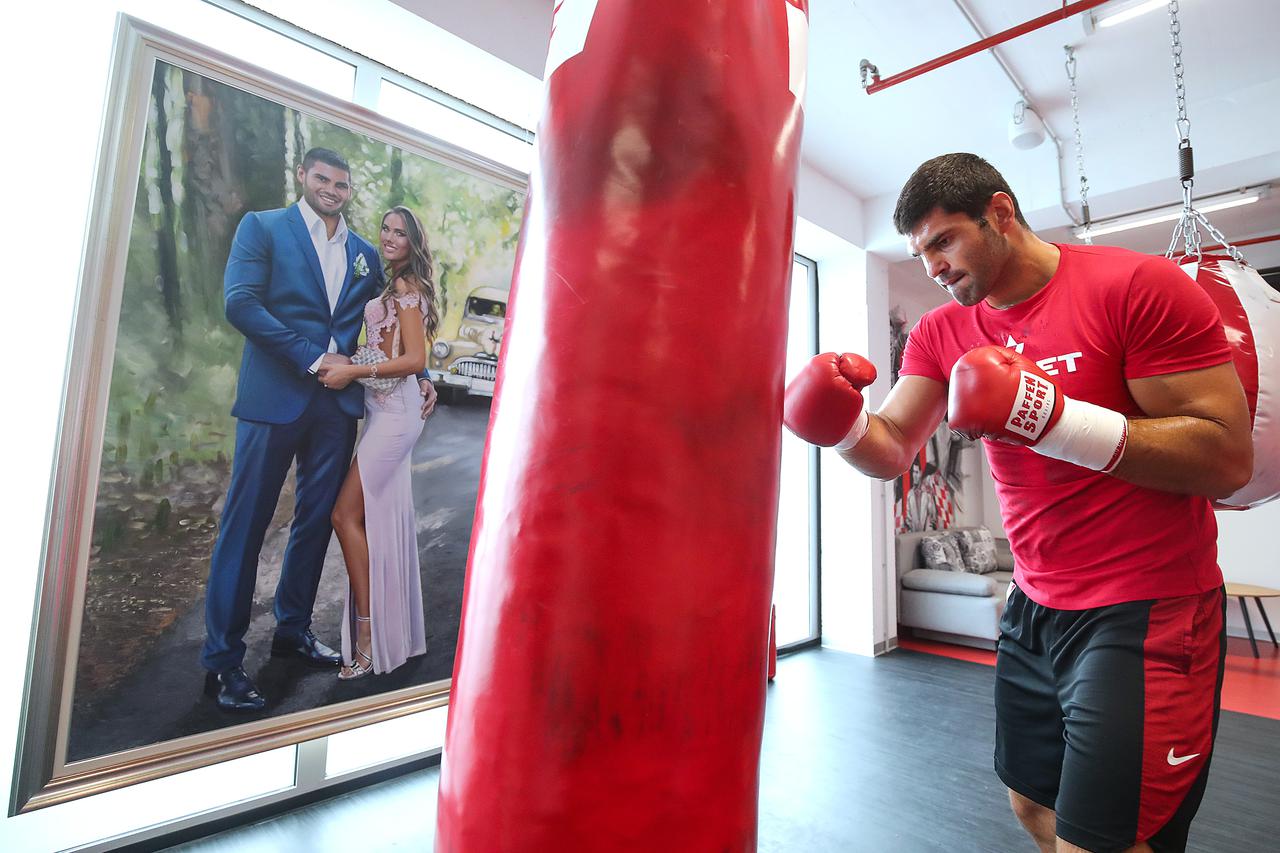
(1086, 435)
(856, 432)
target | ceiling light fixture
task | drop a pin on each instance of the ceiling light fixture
(1118, 12)
(1026, 130)
(1170, 212)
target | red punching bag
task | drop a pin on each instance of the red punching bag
(1250, 311)
(608, 691)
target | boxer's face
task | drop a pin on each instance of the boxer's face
(963, 255)
(326, 188)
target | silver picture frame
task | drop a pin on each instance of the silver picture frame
(43, 775)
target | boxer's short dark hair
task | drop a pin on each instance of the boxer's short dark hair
(324, 155)
(956, 183)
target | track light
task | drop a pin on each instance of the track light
(1170, 212)
(1026, 131)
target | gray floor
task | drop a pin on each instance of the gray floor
(891, 754)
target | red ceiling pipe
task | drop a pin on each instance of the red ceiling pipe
(1045, 20)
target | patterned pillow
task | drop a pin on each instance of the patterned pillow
(940, 553)
(978, 550)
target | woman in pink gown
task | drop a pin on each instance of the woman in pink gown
(383, 623)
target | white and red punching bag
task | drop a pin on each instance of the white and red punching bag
(608, 691)
(1250, 311)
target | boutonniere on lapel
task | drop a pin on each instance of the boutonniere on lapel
(361, 267)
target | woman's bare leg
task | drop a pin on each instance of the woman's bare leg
(348, 523)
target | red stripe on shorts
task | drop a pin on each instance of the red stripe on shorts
(1181, 674)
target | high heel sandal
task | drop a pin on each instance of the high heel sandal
(357, 669)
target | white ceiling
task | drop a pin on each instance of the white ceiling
(870, 144)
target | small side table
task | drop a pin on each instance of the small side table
(1257, 593)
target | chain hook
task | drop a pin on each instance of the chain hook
(1187, 227)
(867, 69)
(1075, 115)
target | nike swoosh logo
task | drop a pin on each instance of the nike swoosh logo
(1175, 760)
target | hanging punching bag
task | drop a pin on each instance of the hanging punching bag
(1250, 311)
(608, 690)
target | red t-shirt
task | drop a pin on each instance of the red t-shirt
(1080, 538)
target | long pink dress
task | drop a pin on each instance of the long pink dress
(392, 424)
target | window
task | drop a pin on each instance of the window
(795, 580)
(440, 120)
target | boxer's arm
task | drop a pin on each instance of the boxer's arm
(911, 413)
(244, 292)
(1196, 437)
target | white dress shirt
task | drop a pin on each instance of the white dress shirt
(332, 252)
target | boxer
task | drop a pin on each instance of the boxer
(1101, 383)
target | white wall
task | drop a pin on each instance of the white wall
(884, 575)
(1247, 553)
(830, 206)
(852, 518)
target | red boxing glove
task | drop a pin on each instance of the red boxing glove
(1000, 394)
(823, 404)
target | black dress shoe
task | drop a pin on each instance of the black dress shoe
(306, 648)
(234, 690)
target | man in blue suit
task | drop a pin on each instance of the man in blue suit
(296, 284)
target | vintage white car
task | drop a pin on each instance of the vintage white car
(468, 364)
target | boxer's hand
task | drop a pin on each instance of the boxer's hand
(1000, 394)
(824, 405)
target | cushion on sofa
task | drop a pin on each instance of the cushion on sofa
(941, 553)
(977, 549)
(950, 582)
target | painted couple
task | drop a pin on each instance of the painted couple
(300, 285)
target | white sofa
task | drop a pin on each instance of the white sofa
(954, 607)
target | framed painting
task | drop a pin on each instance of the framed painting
(243, 230)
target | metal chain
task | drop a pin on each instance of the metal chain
(1180, 89)
(1190, 233)
(1217, 235)
(1193, 236)
(1186, 227)
(1075, 114)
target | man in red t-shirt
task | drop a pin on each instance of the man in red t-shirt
(1101, 383)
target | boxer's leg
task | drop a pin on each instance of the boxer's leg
(1140, 685)
(1029, 744)
(262, 457)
